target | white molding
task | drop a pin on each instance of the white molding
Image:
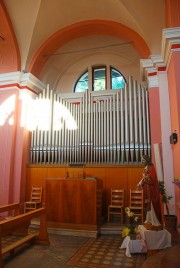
(153, 81)
(144, 64)
(20, 79)
(170, 37)
(10, 78)
(148, 68)
(32, 82)
(169, 33)
(156, 59)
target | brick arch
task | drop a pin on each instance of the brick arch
(86, 28)
(10, 55)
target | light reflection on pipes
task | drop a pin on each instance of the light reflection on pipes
(61, 112)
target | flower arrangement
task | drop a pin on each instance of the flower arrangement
(131, 228)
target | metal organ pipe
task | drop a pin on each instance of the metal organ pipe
(109, 127)
(114, 143)
(122, 144)
(118, 127)
(131, 121)
(126, 110)
(147, 122)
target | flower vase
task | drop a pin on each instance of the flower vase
(132, 236)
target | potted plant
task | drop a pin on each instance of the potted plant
(169, 220)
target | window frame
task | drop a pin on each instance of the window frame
(75, 85)
(107, 81)
(93, 71)
(112, 68)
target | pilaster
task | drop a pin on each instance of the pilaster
(161, 72)
(16, 91)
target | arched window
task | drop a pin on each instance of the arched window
(82, 83)
(99, 80)
(117, 79)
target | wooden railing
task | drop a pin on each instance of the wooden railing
(12, 209)
(19, 225)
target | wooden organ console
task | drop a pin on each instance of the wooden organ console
(74, 203)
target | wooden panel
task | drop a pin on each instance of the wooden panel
(75, 173)
(56, 172)
(100, 173)
(112, 176)
(134, 176)
(68, 201)
(95, 172)
(36, 177)
(117, 179)
(72, 201)
(53, 193)
(87, 202)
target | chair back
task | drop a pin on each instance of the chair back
(136, 199)
(36, 194)
(117, 197)
(117, 204)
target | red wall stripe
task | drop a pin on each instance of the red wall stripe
(18, 86)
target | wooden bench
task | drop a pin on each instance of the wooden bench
(19, 225)
(11, 210)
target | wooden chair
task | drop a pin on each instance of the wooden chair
(117, 204)
(35, 200)
(136, 204)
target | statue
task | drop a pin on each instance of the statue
(149, 183)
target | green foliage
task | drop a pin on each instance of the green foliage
(165, 198)
(162, 190)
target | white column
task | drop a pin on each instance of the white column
(167, 156)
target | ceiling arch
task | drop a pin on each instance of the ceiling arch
(10, 55)
(85, 28)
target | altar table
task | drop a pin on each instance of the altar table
(131, 246)
(149, 240)
(155, 239)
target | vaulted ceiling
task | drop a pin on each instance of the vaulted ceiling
(53, 35)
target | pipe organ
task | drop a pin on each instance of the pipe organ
(92, 127)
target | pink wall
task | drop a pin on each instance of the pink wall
(174, 85)
(14, 148)
(7, 145)
(172, 13)
(10, 54)
(155, 120)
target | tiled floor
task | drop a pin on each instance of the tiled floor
(63, 247)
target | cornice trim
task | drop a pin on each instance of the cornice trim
(170, 42)
(21, 80)
(160, 63)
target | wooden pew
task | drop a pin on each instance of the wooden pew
(12, 209)
(19, 225)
